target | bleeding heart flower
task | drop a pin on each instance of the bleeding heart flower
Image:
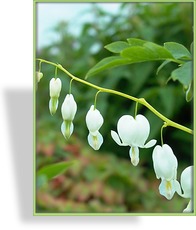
(68, 110)
(94, 121)
(133, 132)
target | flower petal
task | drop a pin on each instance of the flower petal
(187, 182)
(189, 207)
(116, 138)
(95, 141)
(94, 119)
(55, 87)
(53, 105)
(67, 128)
(165, 162)
(127, 129)
(69, 108)
(142, 131)
(150, 144)
(167, 188)
(134, 155)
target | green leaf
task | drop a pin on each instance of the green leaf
(136, 42)
(107, 63)
(189, 92)
(161, 66)
(183, 74)
(117, 47)
(177, 50)
(53, 170)
(148, 52)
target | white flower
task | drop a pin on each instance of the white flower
(54, 89)
(133, 133)
(68, 110)
(186, 182)
(39, 76)
(165, 165)
(94, 121)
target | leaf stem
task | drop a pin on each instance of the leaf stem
(142, 101)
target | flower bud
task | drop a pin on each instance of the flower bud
(94, 120)
(54, 89)
(68, 110)
(39, 76)
(165, 165)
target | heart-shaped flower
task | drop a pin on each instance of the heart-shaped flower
(133, 132)
(94, 121)
(165, 165)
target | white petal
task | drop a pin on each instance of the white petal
(150, 144)
(95, 141)
(127, 129)
(67, 128)
(187, 182)
(164, 162)
(189, 207)
(55, 87)
(134, 155)
(69, 108)
(167, 188)
(53, 105)
(116, 138)
(177, 187)
(94, 119)
(143, 130)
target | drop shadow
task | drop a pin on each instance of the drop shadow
(19, 109)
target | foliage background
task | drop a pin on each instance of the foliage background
(105, 181)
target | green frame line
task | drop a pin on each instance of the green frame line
(35, 2)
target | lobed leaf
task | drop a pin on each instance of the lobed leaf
(177, 50)
(148, 52)
(107, 63)
(183, 74)
(117, 47)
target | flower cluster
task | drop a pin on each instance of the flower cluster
(94, 119)
(132, 132)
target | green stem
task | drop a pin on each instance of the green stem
(70, 85)
(136, 106)
(95, 102)
(142, 101)
(164, 125)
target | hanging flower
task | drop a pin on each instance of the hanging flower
(55, 89)
(134, 133)
(165, 165)
(94, 121)
(68, 110)
(39, 76)
(186, 182)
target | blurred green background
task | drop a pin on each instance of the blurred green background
(105, 180)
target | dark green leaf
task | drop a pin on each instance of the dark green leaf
(53, 170)
(177, 50)
(183, 74)
(161, 66)
(107, 63)
(117, 47)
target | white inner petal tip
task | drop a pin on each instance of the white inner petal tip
(150, 144)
